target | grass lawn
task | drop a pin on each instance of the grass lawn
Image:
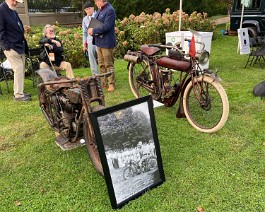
(224, 171)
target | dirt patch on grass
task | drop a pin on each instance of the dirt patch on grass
(4, 145)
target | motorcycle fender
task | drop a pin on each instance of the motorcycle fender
(128, 65)
(209, 73)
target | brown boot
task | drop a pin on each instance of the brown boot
(111, 88)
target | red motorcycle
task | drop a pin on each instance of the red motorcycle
(203, 100)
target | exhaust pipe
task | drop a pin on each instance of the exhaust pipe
(132, 59)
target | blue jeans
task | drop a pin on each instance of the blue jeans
(92, 56)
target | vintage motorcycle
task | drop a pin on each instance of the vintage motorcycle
(66, 105)
(167, 77)
(133, 168)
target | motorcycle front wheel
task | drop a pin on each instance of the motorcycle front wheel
(48, 109)
(91, 142)
(152, 163)
(141, 80)
(206, 104)
(128, 173)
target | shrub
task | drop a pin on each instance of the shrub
(131, 32)
(134, 31)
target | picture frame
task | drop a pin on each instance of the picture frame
(129, 150)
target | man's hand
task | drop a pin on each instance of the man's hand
(49, 46)
(57, 43)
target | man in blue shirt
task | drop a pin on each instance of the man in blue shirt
(13, 42)
(105, 40)
(87, 38)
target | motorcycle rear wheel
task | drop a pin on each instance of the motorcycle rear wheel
(141, 77)
(211, 115)
(91, 142)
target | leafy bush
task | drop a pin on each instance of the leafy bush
(131, 32)
(134, 31)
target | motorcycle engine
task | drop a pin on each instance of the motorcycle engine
(68, 106)
(167, 89)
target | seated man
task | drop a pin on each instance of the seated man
(53, 55)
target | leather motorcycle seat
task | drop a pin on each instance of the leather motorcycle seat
(149, 50)
(180, 65)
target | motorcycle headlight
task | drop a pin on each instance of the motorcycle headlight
(203, 57)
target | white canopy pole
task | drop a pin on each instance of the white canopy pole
(241, 22)
(244, 3)
(180, 14)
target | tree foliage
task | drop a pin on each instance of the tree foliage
(212, 7)
(124, 129)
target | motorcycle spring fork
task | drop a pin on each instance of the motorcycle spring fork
(99, 88)
(91, 88)
(83, 85)
(198, 91)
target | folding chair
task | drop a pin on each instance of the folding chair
(32, 63)
(257, 52)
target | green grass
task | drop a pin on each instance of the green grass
(224, 171)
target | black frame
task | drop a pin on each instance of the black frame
(121, 137)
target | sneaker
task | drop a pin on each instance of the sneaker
(111, 88)
(27, 94)
(22, 99)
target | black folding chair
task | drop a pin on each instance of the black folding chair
(32, 63)
(257, 52)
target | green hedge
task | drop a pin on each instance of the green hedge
(131, 32)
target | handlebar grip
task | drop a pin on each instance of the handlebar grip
(186, 39)
(105, 74)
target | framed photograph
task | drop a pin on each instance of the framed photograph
(129, 150)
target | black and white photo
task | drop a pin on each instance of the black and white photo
(129, 150)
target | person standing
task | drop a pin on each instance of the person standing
(105, 40)
(52, 52)
(14, 45)
(87, 38)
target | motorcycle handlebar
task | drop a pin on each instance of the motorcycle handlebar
(76, 79)
(189, 40)
(105, 74)
(175, 47)
(165, 46)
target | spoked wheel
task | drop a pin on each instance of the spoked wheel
(152, 163)
(206, 104)
(141, 80)
(91, 142)
(128, 173)
(48, 110)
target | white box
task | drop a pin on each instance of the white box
(205, 37)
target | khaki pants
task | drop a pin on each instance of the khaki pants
(17, 62)
(106, 63)
(63, 66)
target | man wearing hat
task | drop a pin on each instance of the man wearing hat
(14, 45)
(87, 38)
